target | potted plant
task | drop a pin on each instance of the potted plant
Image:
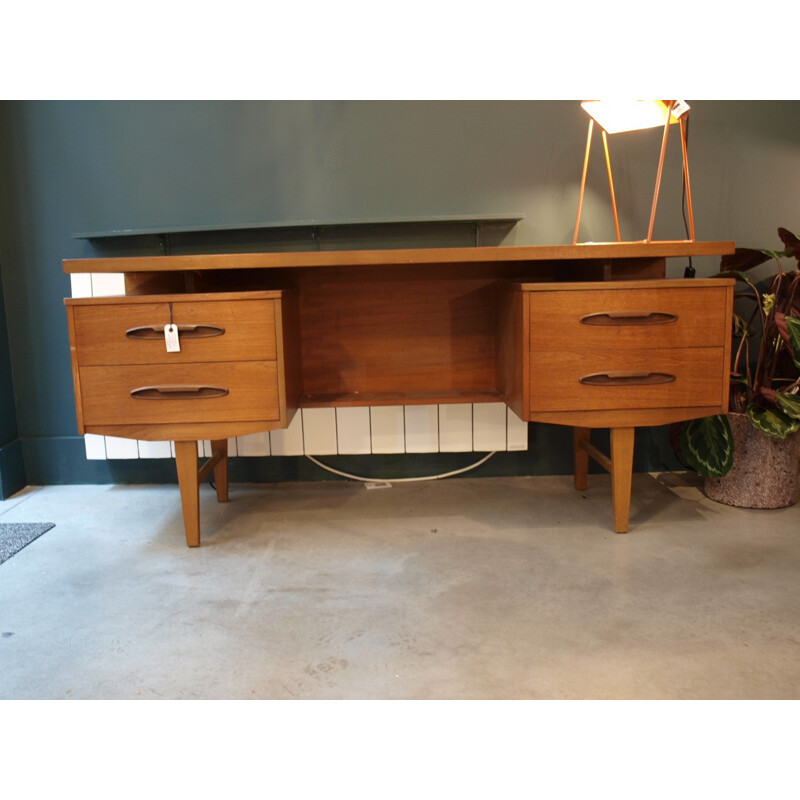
(736, 452)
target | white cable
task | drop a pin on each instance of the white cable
(402, 480)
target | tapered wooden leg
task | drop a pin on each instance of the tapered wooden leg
(581, 457)
(621, 475)
(221, 468)
(188, 480)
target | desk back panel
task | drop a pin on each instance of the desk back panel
(402, 333)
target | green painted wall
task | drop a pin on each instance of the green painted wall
(8, 415)
(78, 166)
(12, 468)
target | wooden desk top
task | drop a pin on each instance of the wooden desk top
(396, 257)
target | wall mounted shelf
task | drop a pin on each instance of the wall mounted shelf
(474, 219)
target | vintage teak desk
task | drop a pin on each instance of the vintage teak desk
(588, 335)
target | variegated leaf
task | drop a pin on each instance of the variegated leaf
(772, 422)
(707, 445)
(793, 329)
(789, 404)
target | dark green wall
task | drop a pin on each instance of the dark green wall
(8, 416)
(71, 167)
(12, 468)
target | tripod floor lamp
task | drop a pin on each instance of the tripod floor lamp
(614, 116)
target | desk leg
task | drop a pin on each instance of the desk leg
(188, 480)
(581, 457)
(221, 468)
(621, 475)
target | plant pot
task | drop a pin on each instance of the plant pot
(765, 472)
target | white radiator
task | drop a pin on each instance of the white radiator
(479, 427)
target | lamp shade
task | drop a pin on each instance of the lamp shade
(617, 116)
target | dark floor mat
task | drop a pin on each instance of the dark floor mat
(16, 535)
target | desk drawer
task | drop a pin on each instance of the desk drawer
(572, 380)
(180, 393)
(632, 318)
(110, 331)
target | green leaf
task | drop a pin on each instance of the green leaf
(735, 273)
(789, 404)
(793, 326)
(771, 422)
(707, 445)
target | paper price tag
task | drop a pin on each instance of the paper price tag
(680, 108)
(171, 336)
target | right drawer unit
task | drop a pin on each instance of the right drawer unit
(628, 352)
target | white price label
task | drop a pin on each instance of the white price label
(171, 336)
(680, 108)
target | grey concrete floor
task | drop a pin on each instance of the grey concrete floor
(469, 588)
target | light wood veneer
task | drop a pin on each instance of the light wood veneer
(373, 327)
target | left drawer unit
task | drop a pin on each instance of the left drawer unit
(232, 374)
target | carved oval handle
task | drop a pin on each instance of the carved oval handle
(629, 318)
(626, 378)
(184, 331)
(177, 392)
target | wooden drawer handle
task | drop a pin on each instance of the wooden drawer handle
(629, 318)
(177, 392)
(184, 331)
(626, 378)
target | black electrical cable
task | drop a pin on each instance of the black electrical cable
(689, 272)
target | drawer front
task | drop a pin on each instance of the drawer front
(216, 392)
(133, 333)
(629, 318)
(570, 380)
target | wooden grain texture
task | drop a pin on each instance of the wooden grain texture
(288, 348)
(622, 441)
(555, 378)
(219, 447)
(700, 317)
(174, 431)
(624, 285)
(619, 464)
(253, 393)
(76, 383)
(132, 300)
(150, 283)
(512, 350)
(580, 437)
(728, 345)
(617, 417)
(396, 334)
(186, 463)
(377, 258)
(428, 325)
(248, 325)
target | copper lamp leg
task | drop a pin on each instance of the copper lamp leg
(583, 180)
(611, 186)
(660, 170)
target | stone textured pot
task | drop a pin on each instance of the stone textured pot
(765, 473)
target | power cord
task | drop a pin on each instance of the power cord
(402, 480)
(393, 480)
